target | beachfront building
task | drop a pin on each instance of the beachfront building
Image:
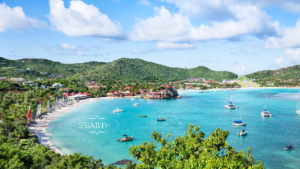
(16, 80)
(196, 79)
(168, 91)
(3, 78)
(57, 85)
(127, 93)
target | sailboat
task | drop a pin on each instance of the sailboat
(239, 122)
(230, 105)
(266, 113)
(297, 108)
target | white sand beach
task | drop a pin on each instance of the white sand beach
(40, 128)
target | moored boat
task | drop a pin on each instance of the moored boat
(135, 104)
(125, 139)
(239, 122)
(230, 106)
(143, 116)
(243, 133)
(289, 147)
(266, 113)
(161, 119)
(117, 110)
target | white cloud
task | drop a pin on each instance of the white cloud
(81, 19)
(15, 19)
(204, 60)
(290, 37)
(291, 58)
(135, 51)
(79, 53)
(145, 2)
(240, 69)
(168, 27)
(66, 46)
(167, 45)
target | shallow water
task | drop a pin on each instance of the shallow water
(267, 137)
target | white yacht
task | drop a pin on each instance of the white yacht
(117, 110)
(266, 113)
(135, 104)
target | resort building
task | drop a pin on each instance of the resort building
(43, 73)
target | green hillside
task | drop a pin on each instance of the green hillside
(292, 72)
(121, 69)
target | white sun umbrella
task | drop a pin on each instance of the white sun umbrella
(48, 106)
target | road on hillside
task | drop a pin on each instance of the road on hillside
(247, 83)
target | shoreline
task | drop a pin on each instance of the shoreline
(39, 129)
(245, 88)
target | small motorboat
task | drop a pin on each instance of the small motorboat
(135, 104)
(125, 139)
(201, 91)
(289, 147)
(132, 98)
(142, 116)
(230, 106)
(298, 112)
(117, 110)
(243, 133)
(239, 123)
(161, 119)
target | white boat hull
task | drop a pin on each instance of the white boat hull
(135, 104)
(239, 124)
(266, 114)
(298, 112)
(242, 133)
(230, 107)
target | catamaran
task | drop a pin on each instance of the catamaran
(239, 122)
(230, 105)
(266, 113)
(297, 108)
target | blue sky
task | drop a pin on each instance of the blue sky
(238, 36)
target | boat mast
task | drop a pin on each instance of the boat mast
(265, 99)
(241, 113)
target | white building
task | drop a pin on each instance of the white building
(57, 85)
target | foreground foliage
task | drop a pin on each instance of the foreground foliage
(191, 151)
(18, 149)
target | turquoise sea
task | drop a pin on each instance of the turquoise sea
(267, 137)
